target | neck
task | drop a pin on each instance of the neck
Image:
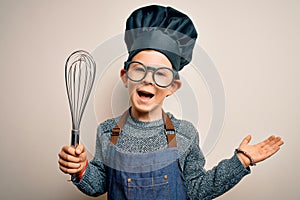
(146, 116)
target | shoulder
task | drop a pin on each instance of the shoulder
(186, 134)
(108, 125)
(183, 127)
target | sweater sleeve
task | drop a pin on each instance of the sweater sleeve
(208, 184)
(93, 182)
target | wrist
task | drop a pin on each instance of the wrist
(81, 173)
(245, 158)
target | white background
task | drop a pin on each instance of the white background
(254, 45)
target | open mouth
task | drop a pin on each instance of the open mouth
(144, 94)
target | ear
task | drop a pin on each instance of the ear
(176, 85)
(124, 77)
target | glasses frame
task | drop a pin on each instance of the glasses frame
(154, 70)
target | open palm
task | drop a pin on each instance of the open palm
(262, 150)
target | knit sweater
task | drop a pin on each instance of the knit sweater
(143, 137)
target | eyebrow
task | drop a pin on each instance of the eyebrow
(154, 65)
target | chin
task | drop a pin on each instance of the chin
(152, 111)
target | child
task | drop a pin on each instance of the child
(146, 153)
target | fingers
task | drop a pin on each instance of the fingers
(66, 168)
(271, 145)
(68, 154)
(279, 141)
(276, 143)
(72, 160)
(69, 167)
(81, 153)
(273, 142)
(79, 149)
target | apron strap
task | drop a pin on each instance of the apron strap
(118, 128)
(169, 131)
(168, 125)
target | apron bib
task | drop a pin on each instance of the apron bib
(143, 176)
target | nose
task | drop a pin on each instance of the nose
(149, 76)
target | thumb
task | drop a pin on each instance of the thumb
(79, 149)
(246, 140)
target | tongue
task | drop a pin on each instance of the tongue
(143, 97)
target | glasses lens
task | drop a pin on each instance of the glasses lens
(163, 77)
(136, 71)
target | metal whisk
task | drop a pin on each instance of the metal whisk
(80, 70)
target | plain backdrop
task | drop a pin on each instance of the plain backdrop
(254, 45)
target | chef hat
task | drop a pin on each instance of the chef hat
(163, 29)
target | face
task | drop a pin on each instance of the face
(146, 97)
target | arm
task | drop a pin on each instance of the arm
(93, 182)
(209, 184)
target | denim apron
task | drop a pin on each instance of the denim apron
(137, 176)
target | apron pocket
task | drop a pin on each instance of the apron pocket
(148, 188)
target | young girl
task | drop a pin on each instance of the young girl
(147, 153)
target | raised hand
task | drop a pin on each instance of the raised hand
(260, 151)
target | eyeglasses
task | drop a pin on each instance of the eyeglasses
(162, 76)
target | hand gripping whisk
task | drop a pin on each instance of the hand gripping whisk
(80, 70)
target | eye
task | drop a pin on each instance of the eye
(136, 67)
(161, 73)
(139, 69)
(164, 72)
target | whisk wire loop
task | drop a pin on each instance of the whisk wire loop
(80, 70)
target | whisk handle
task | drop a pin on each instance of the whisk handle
(74, 142)
(75, 137)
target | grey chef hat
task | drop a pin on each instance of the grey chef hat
(163, 29)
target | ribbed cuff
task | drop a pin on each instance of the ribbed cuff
(240, 170)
